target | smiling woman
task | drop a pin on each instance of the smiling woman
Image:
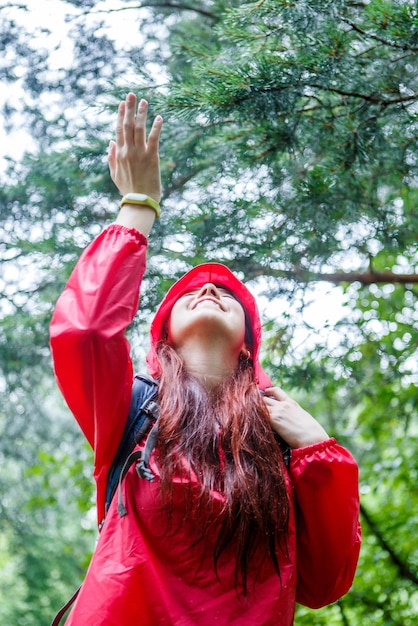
(207, 329)
(229, 532)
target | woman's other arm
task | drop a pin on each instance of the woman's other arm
(324, 477)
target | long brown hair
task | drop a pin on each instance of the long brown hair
(226, 439)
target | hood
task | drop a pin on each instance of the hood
(220, 275)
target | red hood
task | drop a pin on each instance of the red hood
(219, 275)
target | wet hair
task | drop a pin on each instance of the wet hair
(224, 436)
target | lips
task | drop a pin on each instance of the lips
(217, 302)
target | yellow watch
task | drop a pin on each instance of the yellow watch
(141, 199)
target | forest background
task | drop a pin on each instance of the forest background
(290, 153)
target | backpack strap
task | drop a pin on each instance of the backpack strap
(142, 467)
(134, 456)
(143, 412)
(65, 608)
(285, 449)
(141, 458)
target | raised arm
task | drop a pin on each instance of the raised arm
(90, 352)
(134, 162)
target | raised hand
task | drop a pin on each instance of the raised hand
(133, 160)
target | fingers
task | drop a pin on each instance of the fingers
(129, 122)
(140, 123)
(154, 136)
(119, 125)
(276, 393)
(131, 127)
(111, 157)
(126, 125)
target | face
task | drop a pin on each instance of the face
(208, 313)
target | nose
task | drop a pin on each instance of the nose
(209, 289)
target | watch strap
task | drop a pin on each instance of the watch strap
(141, 199)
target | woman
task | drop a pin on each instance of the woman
(226, 534)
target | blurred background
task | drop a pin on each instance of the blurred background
(289, 152)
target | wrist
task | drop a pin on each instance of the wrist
(141, 218)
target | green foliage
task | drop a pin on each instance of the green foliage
(323, 103)
(46, 492)
(365, 392)
(289, 152)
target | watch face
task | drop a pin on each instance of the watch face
(137, 196)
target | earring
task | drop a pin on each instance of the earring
(247, 354)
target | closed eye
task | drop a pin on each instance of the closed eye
(190, 293)
(226, 294)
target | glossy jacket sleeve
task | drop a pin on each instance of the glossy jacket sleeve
(91, 354)
(325, 482)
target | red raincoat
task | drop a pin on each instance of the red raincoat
(141, 573)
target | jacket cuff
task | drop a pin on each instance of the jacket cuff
(131, 233)
(298, 453)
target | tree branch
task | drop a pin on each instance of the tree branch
(376, 99)
(404, 570)
(385, 42)
(181, 6)
(365, 278)
(344, 617)
(178, 184)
